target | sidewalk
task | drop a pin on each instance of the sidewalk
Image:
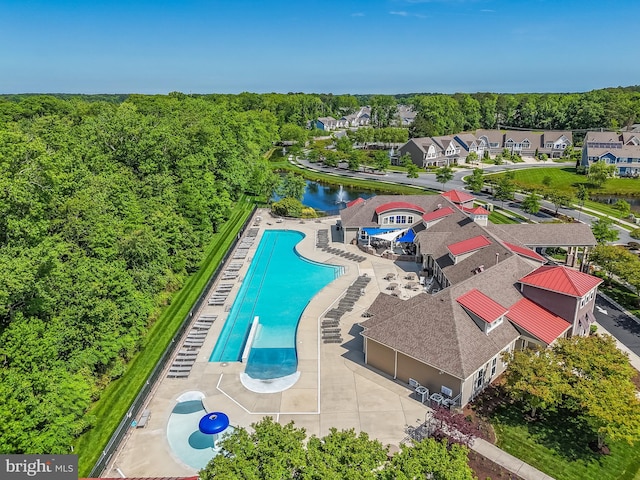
(508, 461)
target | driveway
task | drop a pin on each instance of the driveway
(624, 328)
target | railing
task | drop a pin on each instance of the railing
(136, 406)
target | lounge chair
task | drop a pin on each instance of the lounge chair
(178, 374)
(144, 418)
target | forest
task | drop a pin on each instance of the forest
(107, 203)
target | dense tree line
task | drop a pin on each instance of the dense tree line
(104, 210)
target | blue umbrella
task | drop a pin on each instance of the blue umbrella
(214, 423)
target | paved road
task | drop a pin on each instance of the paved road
(618, 324)
(429, 181)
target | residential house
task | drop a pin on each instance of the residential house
(405, 117)
(424, 152)
(485, 294)
(326, 123)
(470, 143)
(621, 150)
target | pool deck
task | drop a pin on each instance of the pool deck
(335, 389)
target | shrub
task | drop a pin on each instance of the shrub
(287, 207)
(635, 233)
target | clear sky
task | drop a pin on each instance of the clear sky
(359, 46)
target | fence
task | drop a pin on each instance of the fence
(141, 398)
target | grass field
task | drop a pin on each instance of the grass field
(118, 396)
(567, 180)
(499, 218)
(559, 447)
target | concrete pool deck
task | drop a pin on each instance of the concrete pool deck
(335, 388)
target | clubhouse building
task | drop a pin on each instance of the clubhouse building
(485, 290)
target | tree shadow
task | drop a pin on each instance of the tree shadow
(560, 432)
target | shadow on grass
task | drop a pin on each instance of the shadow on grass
(559, 432)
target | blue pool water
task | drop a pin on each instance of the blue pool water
(192, 447)
(278, 286)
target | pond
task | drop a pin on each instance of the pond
(331, 198)
(612, 199)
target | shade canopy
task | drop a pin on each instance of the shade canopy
(214, 422)
(408, 237)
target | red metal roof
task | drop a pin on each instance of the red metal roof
(484, 307)
(525, 252)
(469, 245)
(561, 279)
(357, 201)
(436, 214)
(480, 211)
(537, 321)
(457, 196)
(399, 206)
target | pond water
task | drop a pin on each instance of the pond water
(612, 199)
(331, 198)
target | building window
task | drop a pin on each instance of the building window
(480, 378)
(494, 364)
(385, 220)
(409, 219)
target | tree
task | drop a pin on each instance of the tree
(531, 204)
(623, 207)
(588, 377)
(294, 133)
(559, 199)
(475, 181)
(505, 189)
(581, 194)
(599, 173)
(547, 181)
(610, 258)
(292, 186)
(444, 174)
(276, 451)
(331, 159)
(355, 160)
(534, 379)
(604, 231)
(344, 145)
(381, 160)
(412, 170)
(472, 158)
(429, 459)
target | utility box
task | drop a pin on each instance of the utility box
(490, 207)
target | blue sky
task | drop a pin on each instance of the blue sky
(361, 46)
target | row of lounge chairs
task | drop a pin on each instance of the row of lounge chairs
(331, 322)
(186, 356)
(348, 255)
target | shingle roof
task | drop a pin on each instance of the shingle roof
(364, 213)
(456, 196)
(436, 330)
(436, 214)
(537, 321)
(484, 307)
(561, 279)
(545, 234)
(355, 202)
(398, 206)
(469, 245)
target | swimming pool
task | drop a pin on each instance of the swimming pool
(278, 286)
(188, 443)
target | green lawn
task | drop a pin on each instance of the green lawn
(559, 447)
(619, 293)
(118, 396)
(567, 180)
(499, 218)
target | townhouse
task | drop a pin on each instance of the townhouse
(619, 149)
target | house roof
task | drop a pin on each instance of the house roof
(456, 196)
(363, 214)
(469, 245)
(438, 331)
(537, 321)
(478, 211)
(355, 202)
(561, 279)
(545, 234)
(398, 206)
(436, 214)
(525, 252)
(484, 307)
